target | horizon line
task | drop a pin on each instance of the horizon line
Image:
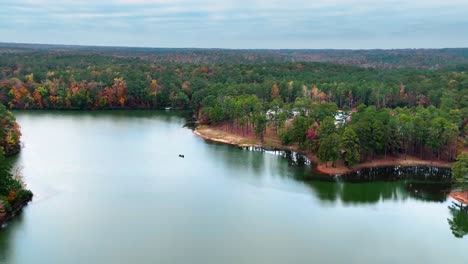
(214, 48)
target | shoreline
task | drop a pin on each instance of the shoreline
(460, 196)
(96, 109)
(17, 209)
(215, 135)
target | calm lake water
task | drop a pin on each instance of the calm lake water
(110, 188)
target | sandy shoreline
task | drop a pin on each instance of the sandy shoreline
(220, 136)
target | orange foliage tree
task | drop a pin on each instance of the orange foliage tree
(275, 91)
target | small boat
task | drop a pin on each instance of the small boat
(181, 156)
(168, 108)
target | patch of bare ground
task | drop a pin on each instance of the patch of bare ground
(460, 196)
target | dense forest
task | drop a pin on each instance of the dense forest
(420, 111)
(12, 188)
(397, 58)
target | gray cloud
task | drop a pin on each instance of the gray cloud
(238, 24)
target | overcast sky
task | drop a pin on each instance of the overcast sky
(312, 24)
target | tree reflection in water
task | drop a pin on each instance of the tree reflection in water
(370, 186)
(459, 221)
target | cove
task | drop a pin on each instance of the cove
(110, 187)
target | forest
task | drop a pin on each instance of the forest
(13, 192)
(449, 58)
(419, 109)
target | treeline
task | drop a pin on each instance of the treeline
(60, 80)
(397, 58)
(428, 133)
(12, 188)
(352, 136)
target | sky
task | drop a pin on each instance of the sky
(239, 24)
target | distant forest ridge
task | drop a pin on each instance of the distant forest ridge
(450, 58)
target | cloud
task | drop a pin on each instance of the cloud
(238, 24)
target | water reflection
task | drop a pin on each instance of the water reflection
(122, 179)
(7, 236)
(116, 116)
(434, 192)
(366, 186)
(459, 221)
(424, 174)
(373, 192)
(374, 185)
(294, 159)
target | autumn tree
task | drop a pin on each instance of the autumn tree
(10, 133)
(275, 91)
(120, 87)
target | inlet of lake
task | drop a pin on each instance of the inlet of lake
(110, 187)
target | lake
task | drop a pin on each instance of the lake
(110, 187)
